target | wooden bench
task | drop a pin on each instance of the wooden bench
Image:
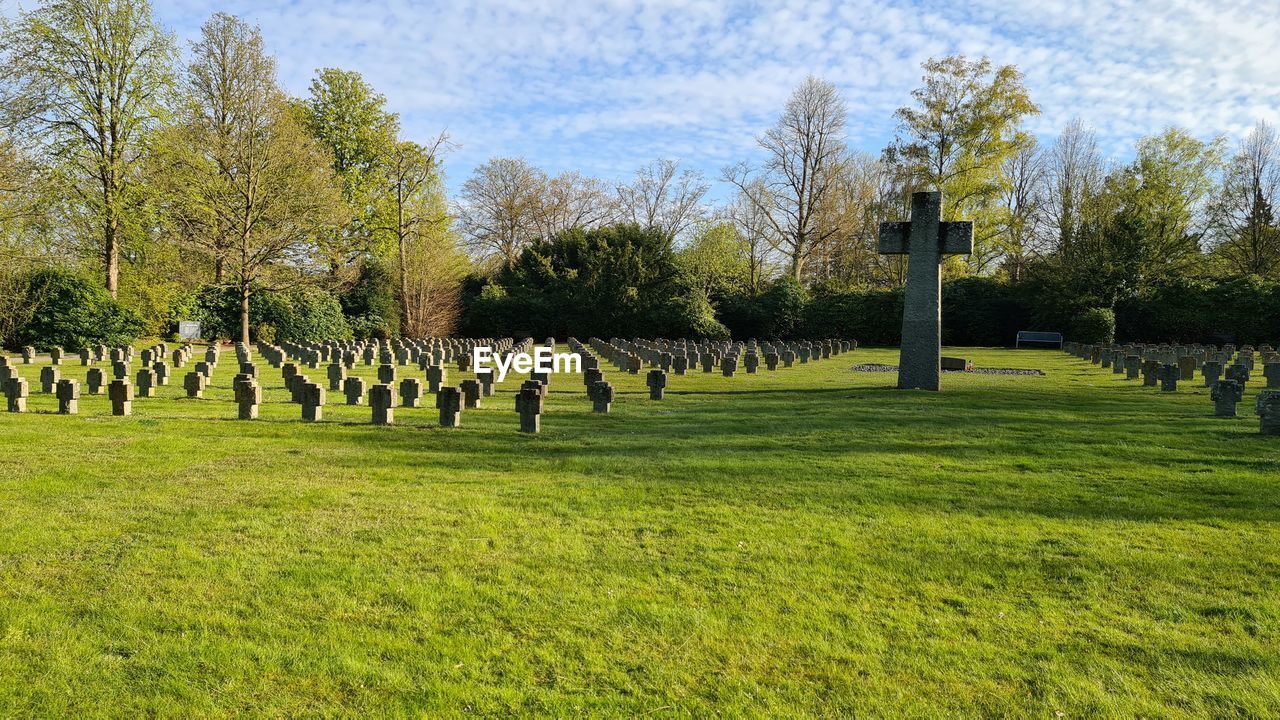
(1047, 338)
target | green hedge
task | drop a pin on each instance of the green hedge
(72, 312)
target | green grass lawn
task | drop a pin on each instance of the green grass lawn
(804, 542)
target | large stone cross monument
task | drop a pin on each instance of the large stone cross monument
(925, 241)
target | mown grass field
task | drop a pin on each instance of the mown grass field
(805, 542)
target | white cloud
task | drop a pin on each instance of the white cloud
(606, 86)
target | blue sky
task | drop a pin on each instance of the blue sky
(604, 86)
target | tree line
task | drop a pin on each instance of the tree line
(188, 181)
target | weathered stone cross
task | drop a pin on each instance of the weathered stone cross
(925, 241)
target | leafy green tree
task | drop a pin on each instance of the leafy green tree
(959, 135)
(1167, 188)
(716, 260)
(350, 119)
(90, 79)
(240, 159)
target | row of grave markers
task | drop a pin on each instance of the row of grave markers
(430, 355)
(1225, 370)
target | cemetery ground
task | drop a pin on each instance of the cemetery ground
(805, 541)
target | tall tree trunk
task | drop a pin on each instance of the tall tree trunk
(111, 241)
(219, 269)
(244, 310)
(404, 273)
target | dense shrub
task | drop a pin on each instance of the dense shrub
(298, 314)
(1095, 325)
(617, 280)
(72, 312)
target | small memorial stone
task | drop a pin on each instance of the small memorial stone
(248, 397)
(411, 392)
(529, 405)
(353, 389)
(194, 383)
(657, 382)
(1271, 371)
(602, 395)
(68, 396)
(387, 374)
(1169, 375)
(487, 387)
(1268, 409)
(120, 393)
(161, 369)
(1186, 367)
(146, 381)
(49, 377)
(15, 394)
(1225, 395)
(1212, 370)
(313, 397)
(382, 403)
(436, 378)
(337, 374)
(470, 393)
(449, 401)
(729, 366)
(94, 380)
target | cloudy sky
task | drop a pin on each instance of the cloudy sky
(604, 86)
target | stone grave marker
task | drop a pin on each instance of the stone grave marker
(602, 396)
(353, 389)
(449, 402)
(382, 404)
(470, 393)
(68, 392)
(248, 397)
(925, 240)
(1225, 395)
(411, 392)
(657, 382)
(49, 377)
(529, 406)
(194, 383)
(146, 383)
(15, 394)
(120, 392)
(313, 398)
